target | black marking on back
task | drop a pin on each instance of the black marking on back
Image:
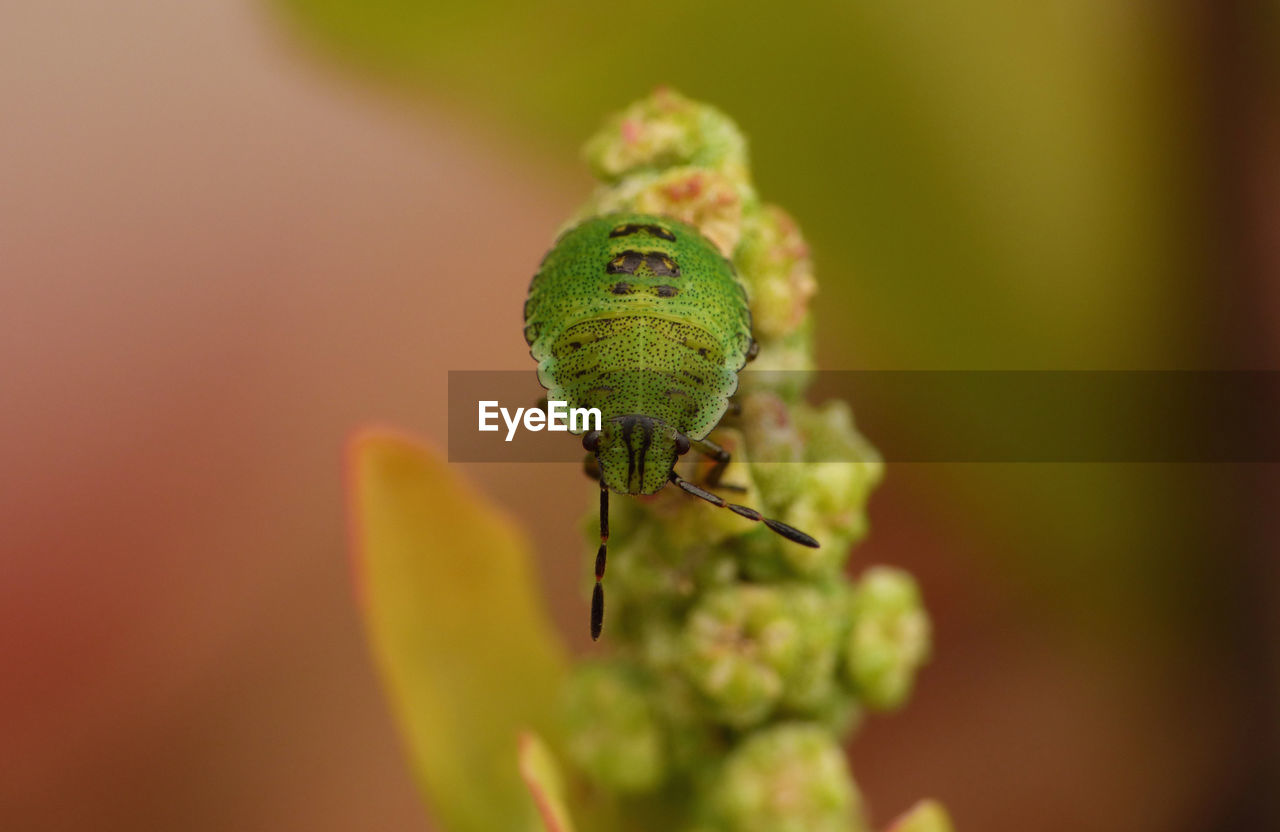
(665, 291)
(621, 288)
(635, 227)
(658, 262)
(661, 265)
(625, 263)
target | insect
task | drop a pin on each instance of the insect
(643, 318)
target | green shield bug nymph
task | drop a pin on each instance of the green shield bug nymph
(643, 318)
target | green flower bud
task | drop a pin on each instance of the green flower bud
(656, 571)
(739, 643)
(830, 435)
(694, 744)
(812, 686)
(775, 435)
(761, 557)
(773, 261)
(667, 130)
(611, 732)
(709, 200)
(784, 366)
(789, 778)
(751, 649)
(827, 497)
(839, 714)
(888, 638)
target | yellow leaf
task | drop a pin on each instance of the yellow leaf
(542, 775)
(465, 650)
(925, 816)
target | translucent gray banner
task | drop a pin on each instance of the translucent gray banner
(962, 416)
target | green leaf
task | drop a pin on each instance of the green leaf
(465, 650)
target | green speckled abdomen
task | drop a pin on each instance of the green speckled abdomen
(642, 317)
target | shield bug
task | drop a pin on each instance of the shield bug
(643, 318)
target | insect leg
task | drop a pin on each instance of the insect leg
(789, 532)
(597, 595)
(591, 467)
(721, 457)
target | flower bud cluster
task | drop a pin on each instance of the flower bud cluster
(740, 658)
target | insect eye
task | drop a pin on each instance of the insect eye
(591, 440)
(682, 444)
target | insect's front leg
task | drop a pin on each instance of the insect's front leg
(721, 458)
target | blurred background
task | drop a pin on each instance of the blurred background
(230, 232)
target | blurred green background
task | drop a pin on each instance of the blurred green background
(237, 230)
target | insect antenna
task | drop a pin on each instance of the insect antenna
(789, 532)
(597, 595)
